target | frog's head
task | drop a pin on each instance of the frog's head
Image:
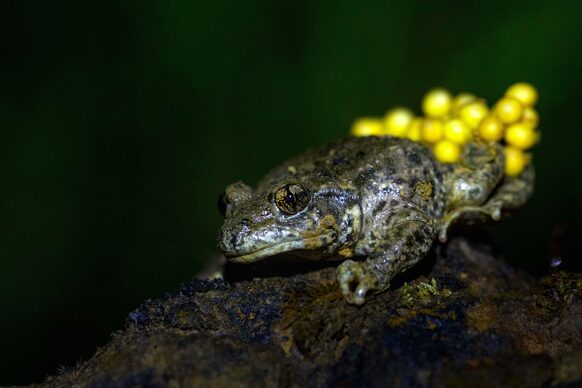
(291, 217)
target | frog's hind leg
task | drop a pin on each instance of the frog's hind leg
(513, 191)
(470, 183)
(510, 194)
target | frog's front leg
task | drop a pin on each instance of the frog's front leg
(409, 235)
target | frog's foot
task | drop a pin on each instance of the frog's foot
(490, 209)
(355, 281)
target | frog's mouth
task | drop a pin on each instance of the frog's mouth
(308, 243)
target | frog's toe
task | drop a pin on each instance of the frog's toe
(359, 295)
(348, 274)
(443, 234)
(354, 281)
(496, 214)
(495, 210)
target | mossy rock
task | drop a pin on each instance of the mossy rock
(461, 318)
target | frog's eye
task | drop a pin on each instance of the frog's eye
(292, 198)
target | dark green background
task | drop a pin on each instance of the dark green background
(120, 123)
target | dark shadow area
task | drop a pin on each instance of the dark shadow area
(283, 265)
(423, 268)
(566, 247)
(477, 234)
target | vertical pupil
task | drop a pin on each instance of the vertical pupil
(290, 199)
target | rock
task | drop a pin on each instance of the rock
(463, 317)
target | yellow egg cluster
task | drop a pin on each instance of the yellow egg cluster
(450, 122)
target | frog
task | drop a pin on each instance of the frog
(376, 203)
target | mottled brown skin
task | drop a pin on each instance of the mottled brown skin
(386, 199)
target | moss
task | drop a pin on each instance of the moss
(407, 295)
(423, 292)
(565, 283)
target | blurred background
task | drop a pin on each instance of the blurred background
(122, 121)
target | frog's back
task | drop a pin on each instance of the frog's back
(384, 171)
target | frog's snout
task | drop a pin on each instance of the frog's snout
(232, 237)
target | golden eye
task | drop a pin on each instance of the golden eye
(292, 198)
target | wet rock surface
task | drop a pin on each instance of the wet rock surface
(461, 318)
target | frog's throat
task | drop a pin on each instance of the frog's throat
(310, 243)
